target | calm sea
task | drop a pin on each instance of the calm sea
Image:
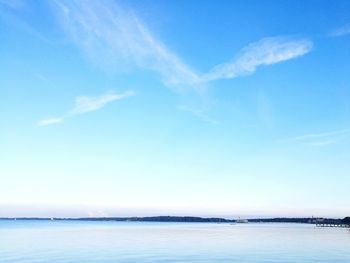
(67, 241)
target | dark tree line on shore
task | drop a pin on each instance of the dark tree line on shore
(192, 219)
(346, 220)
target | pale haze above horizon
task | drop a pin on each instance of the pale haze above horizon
(201, 108)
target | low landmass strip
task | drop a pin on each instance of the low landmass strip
(192, 219)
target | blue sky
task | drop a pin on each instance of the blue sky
(117, 108)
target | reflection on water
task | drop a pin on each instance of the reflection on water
(67, 241)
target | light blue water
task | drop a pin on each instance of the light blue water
(67, 241)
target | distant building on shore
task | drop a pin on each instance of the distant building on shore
(316, 220)
(346, 220)
(239, 220)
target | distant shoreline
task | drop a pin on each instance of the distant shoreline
(188, 219)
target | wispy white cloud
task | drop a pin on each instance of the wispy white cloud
(320, 139)
(267, 51)
(341, 31)
(87, 103)
(201, 114)
(322, 143)
(49, 121)
(106, 31)
(10, 12)
(84, 104)
(311, 136)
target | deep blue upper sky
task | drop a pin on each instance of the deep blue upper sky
(236, 108)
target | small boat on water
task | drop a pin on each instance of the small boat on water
(239, 220)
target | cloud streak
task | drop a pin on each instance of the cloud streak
(321, 139)
(267, 51)
(341, 31)
(115, 38)
(49, 121)
(198, 113)
(107, 32)
(84, 104)
(321, 135)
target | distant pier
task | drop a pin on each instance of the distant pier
(331, 225)
(324, 222)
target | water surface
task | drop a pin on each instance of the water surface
(79, 241)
